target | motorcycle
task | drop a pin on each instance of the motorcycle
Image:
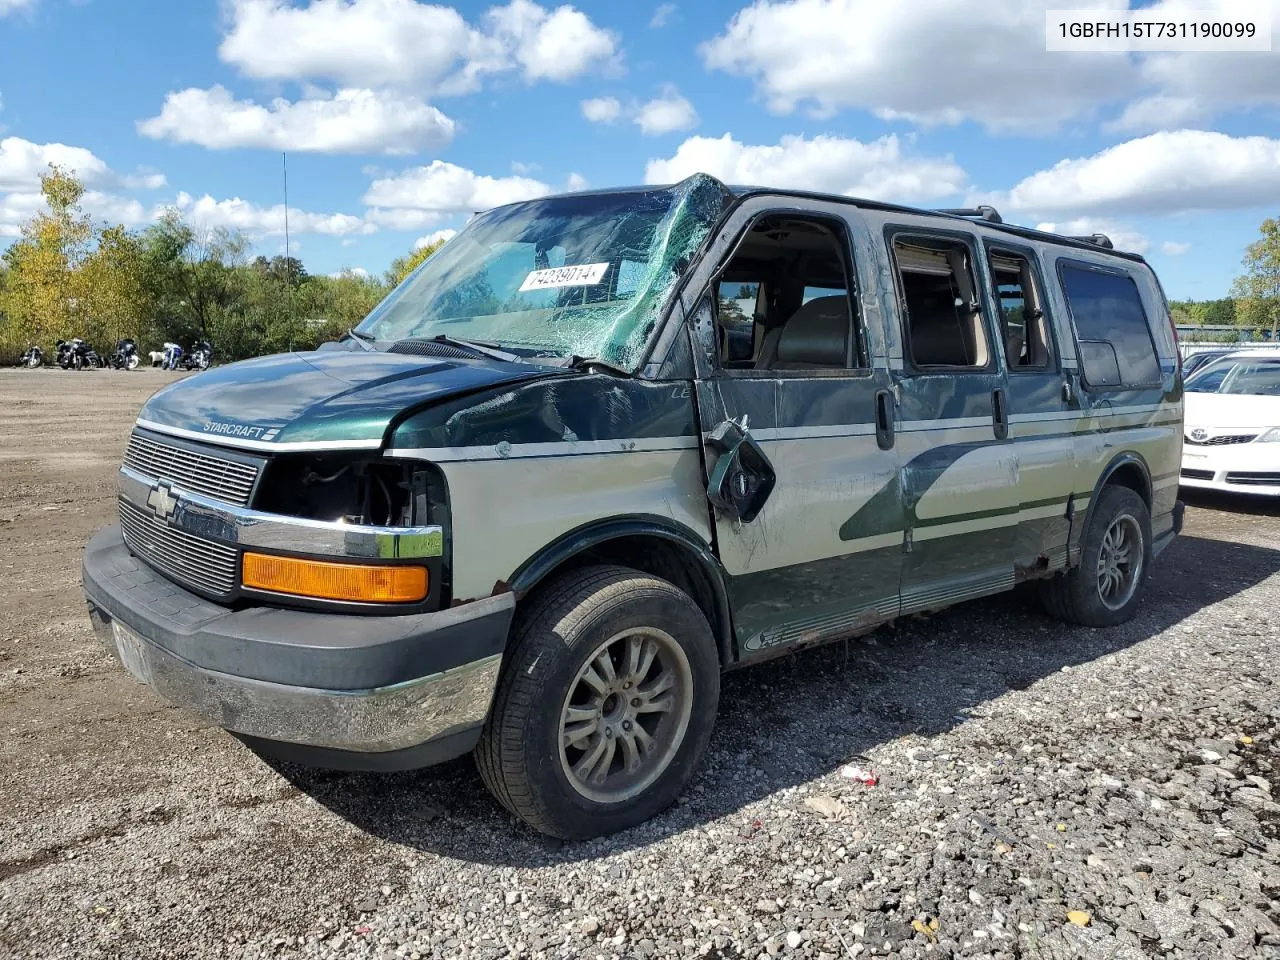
(172, 357)
(33, 358)
(75, 354)
(199, 357)
(126, 356)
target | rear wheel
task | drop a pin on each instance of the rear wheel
(605, 706)
(1115, 553)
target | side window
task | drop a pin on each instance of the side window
(1023, 326)
(1115, 341)
(940, 306)
(788, 285)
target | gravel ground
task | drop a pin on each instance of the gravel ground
(1044, 792)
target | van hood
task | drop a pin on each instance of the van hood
(329, 398)
(1230, 411)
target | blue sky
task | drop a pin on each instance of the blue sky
(402, 118)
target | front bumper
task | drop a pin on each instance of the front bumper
(361, 688)
(1243, 468)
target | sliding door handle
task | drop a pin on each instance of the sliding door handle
(884, 419)
(1000, 413)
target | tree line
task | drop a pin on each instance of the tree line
(66, 276)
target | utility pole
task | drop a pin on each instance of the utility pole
(284, 163)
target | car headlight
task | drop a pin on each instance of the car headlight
(1271, 436)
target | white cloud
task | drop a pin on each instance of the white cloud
(237, 214)
(932, 61)
(662, 16)
(350, 121)
(876, 170)
(22, 162)
(557, 45)
(419, 195)
(15, 209)
(523, 169)
(12, 6)
(401, 218)
(576, 182)
(1122, 237)
(1157, 113)
(381, 43)
(360, 272)
(1174, 248)
(601, 109)
(437, 236)
(666, 114)
(946, 61)
(1197, 86)
(1161, 173)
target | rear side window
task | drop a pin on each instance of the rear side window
(1115, 341)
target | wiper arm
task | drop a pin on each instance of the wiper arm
(482, 347)
(364, 339)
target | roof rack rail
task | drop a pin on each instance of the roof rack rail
(989, 214)
(1099, 239)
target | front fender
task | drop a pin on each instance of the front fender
(617, 532)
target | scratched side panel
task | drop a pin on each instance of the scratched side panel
(959, 490)
(505, 511)
(528, 464)
(800, 570)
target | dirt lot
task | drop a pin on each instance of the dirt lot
(1045, 792)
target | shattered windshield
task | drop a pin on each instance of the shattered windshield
(579, 276)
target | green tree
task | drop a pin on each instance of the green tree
(112, 287)
(401, 267)
(196, 278)
(39, 295)
(1259, 285)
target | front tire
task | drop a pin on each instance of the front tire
(1115, 555)
(605, 706)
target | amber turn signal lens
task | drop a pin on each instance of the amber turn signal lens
(334, 581)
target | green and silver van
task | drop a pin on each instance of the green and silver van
(602, 447)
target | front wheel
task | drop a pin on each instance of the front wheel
(133, 362)
(1115, 553)
(605, 705)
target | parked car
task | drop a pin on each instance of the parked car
(1195, 361)
(1233, 424)
(536, 502)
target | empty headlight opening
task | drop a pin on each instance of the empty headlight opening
(353, 489)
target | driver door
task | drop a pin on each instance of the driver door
(822, 556)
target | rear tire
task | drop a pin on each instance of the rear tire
(1115, 555)
(605, 706)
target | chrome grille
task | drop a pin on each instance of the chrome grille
(1219, 441)
(228, 480)
(193, 561)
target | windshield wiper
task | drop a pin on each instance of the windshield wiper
(482, 347)
(364, 339)
(586, 364)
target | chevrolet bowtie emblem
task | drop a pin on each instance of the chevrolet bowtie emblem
(162, 502)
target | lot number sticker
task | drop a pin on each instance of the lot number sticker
(582, 275)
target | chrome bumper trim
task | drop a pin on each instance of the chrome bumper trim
(369, 721)
(201, 516)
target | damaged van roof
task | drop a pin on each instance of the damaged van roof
(746, 190)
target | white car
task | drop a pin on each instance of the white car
(1232, 424)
